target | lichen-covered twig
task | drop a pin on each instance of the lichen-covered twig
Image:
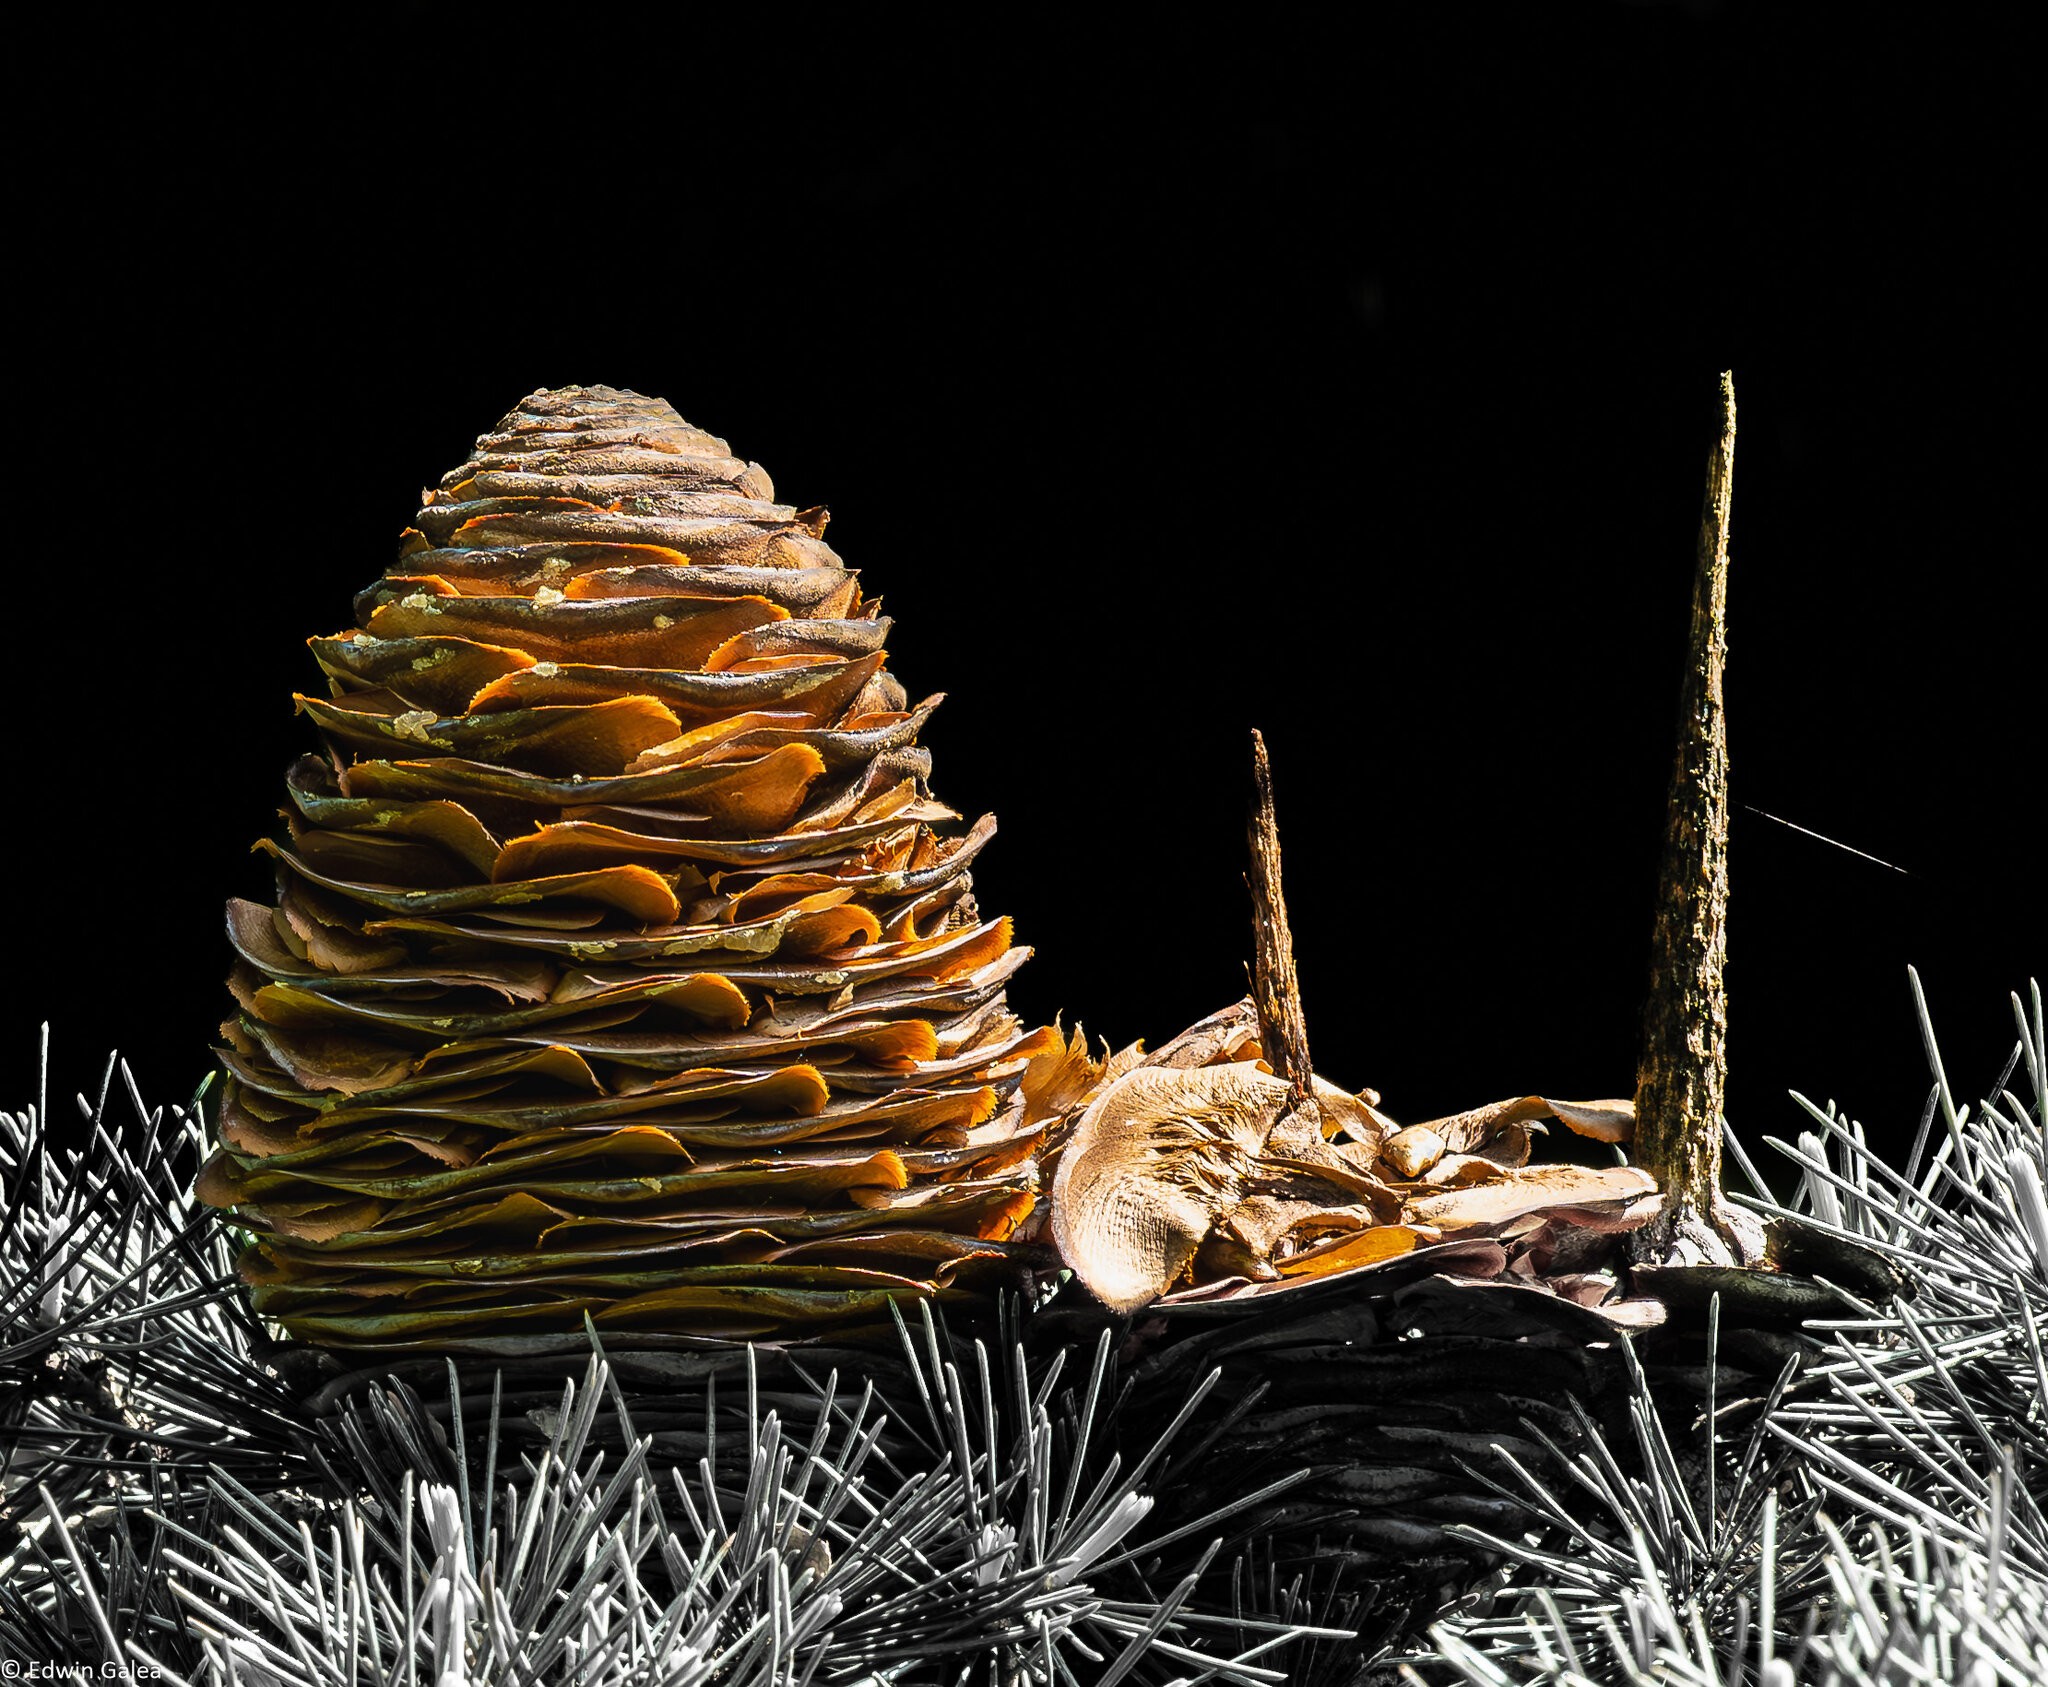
(1684, 1070)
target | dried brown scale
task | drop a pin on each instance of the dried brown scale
(621, 963)
(1189, 1177)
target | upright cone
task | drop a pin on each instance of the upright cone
(621, 963)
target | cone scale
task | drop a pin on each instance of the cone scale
(621, 963)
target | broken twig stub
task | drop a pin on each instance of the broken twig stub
(1684, 1070)
(1283, 1031)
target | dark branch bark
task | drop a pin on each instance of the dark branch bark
(1283, 1031)
(1684, 1071)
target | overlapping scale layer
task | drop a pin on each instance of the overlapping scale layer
(621, 962)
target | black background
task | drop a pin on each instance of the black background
(1165, 381)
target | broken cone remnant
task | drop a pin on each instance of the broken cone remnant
(1223, 1166)
(620, 962)
(1191, 1175)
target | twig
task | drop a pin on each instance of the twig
(1276, 993)
(1684, 1071)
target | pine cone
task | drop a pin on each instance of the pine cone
(620, 964)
